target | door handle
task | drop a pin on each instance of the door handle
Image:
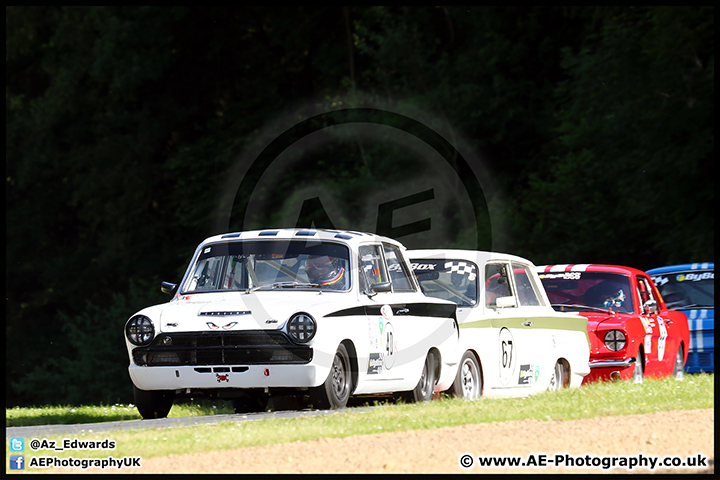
(402, 311)
(528, 323)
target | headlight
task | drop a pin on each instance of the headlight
(139, 330)
(301, 327)
(615, 340)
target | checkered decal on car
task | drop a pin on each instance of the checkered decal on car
(462, 268)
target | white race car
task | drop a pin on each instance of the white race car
(327, 314)
(512, 342)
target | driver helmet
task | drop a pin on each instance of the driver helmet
(607, 295)
(324, 270)
(674, 296)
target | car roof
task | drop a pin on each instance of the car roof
(589, 267)
(345, 236)
(478, 256)
(682, 267)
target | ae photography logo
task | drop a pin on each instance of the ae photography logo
(362, 169)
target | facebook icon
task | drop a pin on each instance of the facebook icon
(17, 462)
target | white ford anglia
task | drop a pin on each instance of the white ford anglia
(319, 314)
(512, 342)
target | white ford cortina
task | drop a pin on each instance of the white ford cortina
(512, 342)
(318, 314)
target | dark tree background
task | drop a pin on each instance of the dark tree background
(122, 123)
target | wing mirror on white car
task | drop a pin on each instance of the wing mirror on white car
(502, 302)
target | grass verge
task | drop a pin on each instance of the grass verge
(602, 399)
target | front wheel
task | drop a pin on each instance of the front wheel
(637, 376)
(335, 392)
(468, 381)
(423, 391)
(153, 403)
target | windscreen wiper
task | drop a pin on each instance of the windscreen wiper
(581, 307)
(277, 285)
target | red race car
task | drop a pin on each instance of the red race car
(632, 333)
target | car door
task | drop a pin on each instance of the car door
(401, 317)
(512, 328)
(657, 358)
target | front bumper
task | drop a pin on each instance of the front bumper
(610, 370)
(612, 363)
(227, 376)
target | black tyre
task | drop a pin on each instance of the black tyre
(153, 403)
(424, 390)
(637, 376)
(468, 381)
(334, 393)
(678, 369)
(557, 381)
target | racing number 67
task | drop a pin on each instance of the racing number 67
(507, 346)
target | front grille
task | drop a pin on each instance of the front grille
(221, 348)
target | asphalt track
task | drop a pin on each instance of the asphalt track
(46, 430)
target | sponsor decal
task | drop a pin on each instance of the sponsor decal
(423, 266)
(695, 277)
(375, 364)
(223, 378)
(526, 374)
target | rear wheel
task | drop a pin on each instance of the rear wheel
(153, 403)
(423, 391)
(334, 393)
(679, 367)
(557, 381)
(468, 381)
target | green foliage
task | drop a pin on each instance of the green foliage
(92, 367)
(631, 177)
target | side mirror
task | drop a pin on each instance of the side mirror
(168, 288)
(381, 287)
(650, 307)
(502, 302)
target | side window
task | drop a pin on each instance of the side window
(526, 291)
(497, 283)
(645, 292)
(207, 274)
(399, 275)
(236, 275)
(372, 266)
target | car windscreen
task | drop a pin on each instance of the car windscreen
(688, 289)
(270, 264)
(454, 280)
(591, 290)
